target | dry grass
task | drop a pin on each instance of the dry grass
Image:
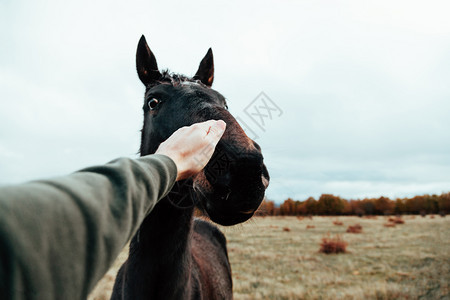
(333, 245)
(357, 228)
(399, 221)
(338, 223)
(286, 229)
(396, 220)
(403, 262)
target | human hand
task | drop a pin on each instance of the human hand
(192, 147)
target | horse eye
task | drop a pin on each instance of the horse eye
(152, 103)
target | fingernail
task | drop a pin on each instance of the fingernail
(220, 125)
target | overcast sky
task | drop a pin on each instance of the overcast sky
(363, 88)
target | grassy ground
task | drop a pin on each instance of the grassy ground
(278, 258)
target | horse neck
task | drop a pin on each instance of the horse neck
(160, 251)
(165, 231)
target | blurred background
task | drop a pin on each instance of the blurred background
(362, 88)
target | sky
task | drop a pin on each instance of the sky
(359, 90)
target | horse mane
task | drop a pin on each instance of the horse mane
(175, 79)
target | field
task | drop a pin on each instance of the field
(278, 258)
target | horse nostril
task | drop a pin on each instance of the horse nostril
(224, 197)
(256, 145)
(248, 212)
(265, 173)
(265, 181)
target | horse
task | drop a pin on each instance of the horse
(174, 255)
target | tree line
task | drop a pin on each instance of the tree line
(329, 204)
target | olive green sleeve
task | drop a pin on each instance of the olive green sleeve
(58, 237)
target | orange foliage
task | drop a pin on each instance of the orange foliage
(399, 220)
(354, 229)
(267, 208)
(329, 204)
(333, 245)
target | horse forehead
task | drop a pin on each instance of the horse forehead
(197, 91)
(190, 83)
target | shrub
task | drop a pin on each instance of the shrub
(399, 220)
(354, 229)
(442, 213)
(310, 226)
(396, 220)
(338, 223)
(331, 245)
(286, 229)
(432, 217)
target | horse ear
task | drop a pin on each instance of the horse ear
(205, 72)
(146, 65)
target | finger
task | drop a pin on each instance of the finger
(203, 126)
(216, 131)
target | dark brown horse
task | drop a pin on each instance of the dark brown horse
(174, 256)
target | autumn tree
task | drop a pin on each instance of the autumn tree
(287, 208)
(444, 203)
(267, 208)
(399, 207)
(368, 206)
(329, 204)
(431, 204)
(415, 205)
(383, 206)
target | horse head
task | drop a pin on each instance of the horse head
(231, 186)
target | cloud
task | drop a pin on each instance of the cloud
(363, 87)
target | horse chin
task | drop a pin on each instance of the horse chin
(232, 208)
(231, 220)
(228, 212)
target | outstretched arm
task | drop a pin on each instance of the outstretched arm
(58, 237)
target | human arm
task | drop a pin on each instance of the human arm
(58, 237)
